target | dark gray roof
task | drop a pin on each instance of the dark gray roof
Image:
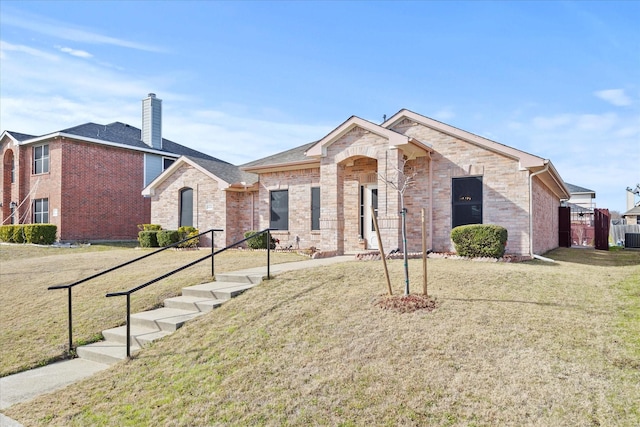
(121, 133)
(226, 171)
(577, 189)
(20, 136)
(288, 156)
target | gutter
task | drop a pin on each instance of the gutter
(531, 175)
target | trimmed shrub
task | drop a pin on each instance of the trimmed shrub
(187, 231)
(6, 233)
(480, 240)
(18, 234)
(148, 239)
(149, 227)
(40, 234)
(167, 237)
(259, 242)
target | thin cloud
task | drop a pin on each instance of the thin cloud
(615, 97)
(10, 47)
(75, 52)
(65, 31)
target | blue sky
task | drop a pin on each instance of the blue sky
(242, 80)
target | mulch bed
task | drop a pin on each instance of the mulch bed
(406, 303)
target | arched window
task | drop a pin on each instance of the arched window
(186, 207)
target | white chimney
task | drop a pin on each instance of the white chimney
(152, 121)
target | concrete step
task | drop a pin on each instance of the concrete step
(217, 290)
(106, 352)
(193, 303)
(241, 278)
(139, 336)
(164, 319)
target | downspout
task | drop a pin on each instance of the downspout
(546, 168)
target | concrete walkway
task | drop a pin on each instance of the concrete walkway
(27, 385)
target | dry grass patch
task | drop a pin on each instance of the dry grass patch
(34, 320)
(523, 344)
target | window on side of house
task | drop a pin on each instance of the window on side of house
(41, 211)
(315, 208)
(279, 210)
(466, 201)
(166, 162)
(41, 159)
(186, 207)
(13, 170)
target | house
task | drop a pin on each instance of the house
(320, 194)
(632, 214)
(87, 180)
(582, 204)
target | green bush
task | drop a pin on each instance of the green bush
(40, 234)
(149, 227)
(187, 231)
(18, 234)
(259, 242)
(167, 237)
(148, 239)
(6, 233)
(480, 240)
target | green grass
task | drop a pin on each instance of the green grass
(521, 344)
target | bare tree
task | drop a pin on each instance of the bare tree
(401, 182)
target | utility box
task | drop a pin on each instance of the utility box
(632, 240)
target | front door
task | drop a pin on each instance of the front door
(370, 198)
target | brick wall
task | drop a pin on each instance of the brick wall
(209, 204)
(505, 187)
(545, 218)
(101, 191)
(298, 183)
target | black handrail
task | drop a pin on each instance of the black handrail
(124, 264)
(179, 269)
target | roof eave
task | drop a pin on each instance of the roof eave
(286, 166)
(96, 141)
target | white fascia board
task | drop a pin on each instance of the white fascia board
(149, 190)
(320, 148)
(97, 141)
(526, 160)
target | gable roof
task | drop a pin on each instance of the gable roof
(635, 211)
(543, 168)
(224, 173)
(115, 134)
(526, 160)
(16, 136)
(397, 140)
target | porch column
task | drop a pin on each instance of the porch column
(389, 199)
(331, 207)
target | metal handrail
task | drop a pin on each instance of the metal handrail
(128, 293)
(124, 264)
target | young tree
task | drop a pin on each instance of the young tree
(401, 182)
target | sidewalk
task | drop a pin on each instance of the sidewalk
(27, 385)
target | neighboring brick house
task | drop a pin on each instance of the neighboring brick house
(319, 194)
(87, 180)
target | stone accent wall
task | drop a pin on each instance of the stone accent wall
(545, 218)
(505, 187)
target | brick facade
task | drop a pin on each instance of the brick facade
(94, 191)
(359, 154)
